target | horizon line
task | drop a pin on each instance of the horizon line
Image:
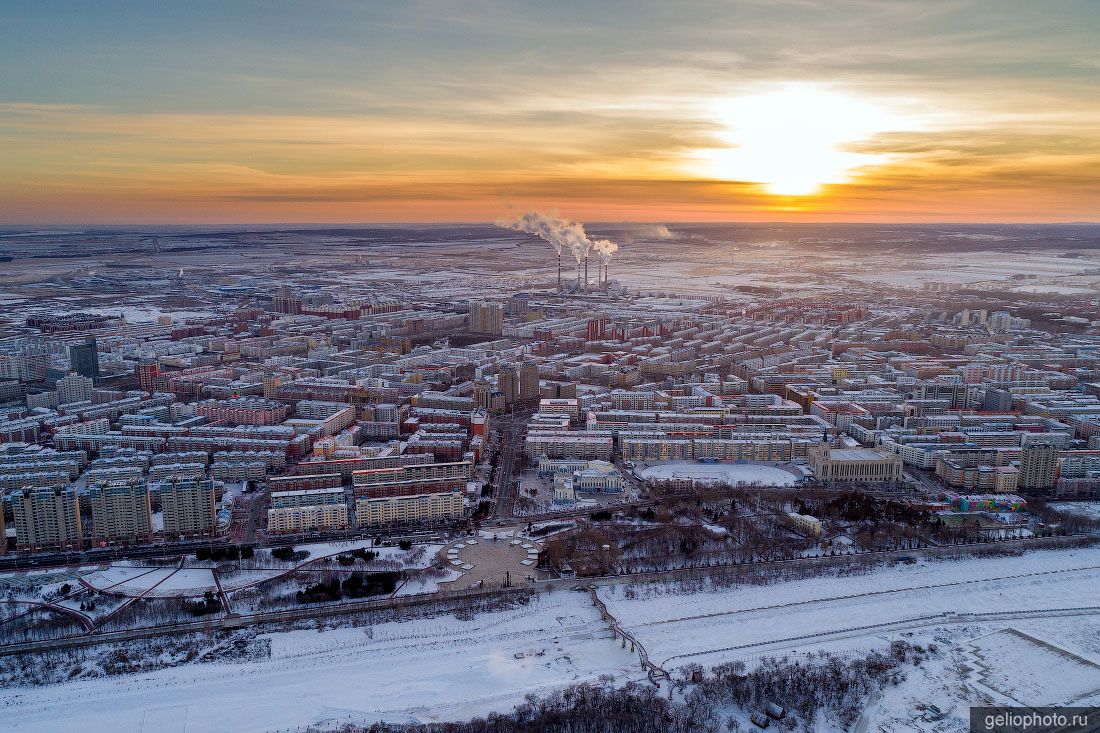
(591, 222)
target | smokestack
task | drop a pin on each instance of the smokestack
(562, 234)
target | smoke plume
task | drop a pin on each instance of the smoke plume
(605, 249)
(657, 231)
(562, 234)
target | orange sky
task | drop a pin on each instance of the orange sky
(887, 111)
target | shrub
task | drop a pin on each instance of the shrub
(283, 553)
(208, 605)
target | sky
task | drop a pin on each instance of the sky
(242, 111)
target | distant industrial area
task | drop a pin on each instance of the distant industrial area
(506, 460)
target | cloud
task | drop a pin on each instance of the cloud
(448, 110)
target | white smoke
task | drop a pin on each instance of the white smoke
(604, 249)
(562, 234)
(544, 226)
(656, 231)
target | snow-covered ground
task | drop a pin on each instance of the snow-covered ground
(711, 627)
(1090, 509)
(123, 578)
(732, 473)
(1016, 665)
(433, 669)
(424, 583)
(136, 579)
(188, 581)
(446, 669)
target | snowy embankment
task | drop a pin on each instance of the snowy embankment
(426, 669)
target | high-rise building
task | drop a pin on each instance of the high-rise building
(84, 359)
(189, 507)
(47, 518)
(287, 302)
(487, 318)
(518, 304)
(147, 374)
(508, 384)
(271, 383)
(482, 394)
(121, 512)
(1000, 321)
(528, 381)
(74, 388)
(1038, 467)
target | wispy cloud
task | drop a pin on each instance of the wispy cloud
(426, 109)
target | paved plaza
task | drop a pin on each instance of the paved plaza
(491, 558)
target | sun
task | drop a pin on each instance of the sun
(795, 139)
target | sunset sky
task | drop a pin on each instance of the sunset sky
(805, 110)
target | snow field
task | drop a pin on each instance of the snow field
(430, 669)
(704, 627)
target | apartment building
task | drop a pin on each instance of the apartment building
(47, 518)
(568, 445)
(486, 318)
(411, 479)
(1038, 467)
(189, 508)
(307, 497)
(74, 388)
(244, 411)
(308, 518)
(417, 508)
(121, 512)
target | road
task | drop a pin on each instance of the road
(511, 445)
(322, 610)
(15, 561)
(504, 492)
(868, 711)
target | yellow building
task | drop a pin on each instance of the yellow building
(408, 509)
(805, 523)
(853, 464)
(318, 517)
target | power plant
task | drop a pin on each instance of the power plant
(562, 234)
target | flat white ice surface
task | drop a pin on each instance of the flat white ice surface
(431, 669)
(732, 473)
(1018, 666)
(706, 627)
